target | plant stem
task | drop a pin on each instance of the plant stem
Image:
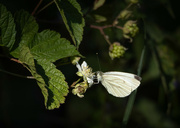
(100, 28)
(119, 27)
(36, 7)
(14, 74)
(133, 95)
(74, 83)
(45, 7)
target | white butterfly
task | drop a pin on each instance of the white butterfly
(118, 84)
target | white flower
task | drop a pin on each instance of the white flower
(85, 71)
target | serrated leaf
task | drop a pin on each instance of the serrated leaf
(57, 87)
(50, 80)
(72, 16)
(50, 46)
(27, 27)
(7, 28)
(27, 58)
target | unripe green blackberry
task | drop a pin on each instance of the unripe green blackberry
(130, 29)
(116, 50)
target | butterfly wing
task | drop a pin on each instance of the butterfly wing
(120, 84)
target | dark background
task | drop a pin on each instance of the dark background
(21, 101)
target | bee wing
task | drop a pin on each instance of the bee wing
(120, 84)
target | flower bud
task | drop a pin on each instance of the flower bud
(74, 60)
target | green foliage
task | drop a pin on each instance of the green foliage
(42, 46)
(36, 51)
(27, 27)
(27, 58)
(98, 3)
(7, 28)
(55, 83)
(156, 29)
(71, 13)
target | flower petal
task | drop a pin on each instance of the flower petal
(90, 81)
(78, 67)
(84, 65)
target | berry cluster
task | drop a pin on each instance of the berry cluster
(116, 50)
(130, 29)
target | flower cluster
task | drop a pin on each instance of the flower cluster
(116, 50)
(86, 72)
(130, 29)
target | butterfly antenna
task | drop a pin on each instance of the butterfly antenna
(98, 61)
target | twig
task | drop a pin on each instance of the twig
(100, 28)
(14, 74)
(36, 7)
(45, 7)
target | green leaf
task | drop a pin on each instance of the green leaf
(72, 16)
(57, 87)
(100, 18)
(98, 3)
(27, 27)
(37, 51)
(7, 28)
(50, 46)
(50, 80)
(27, 58)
